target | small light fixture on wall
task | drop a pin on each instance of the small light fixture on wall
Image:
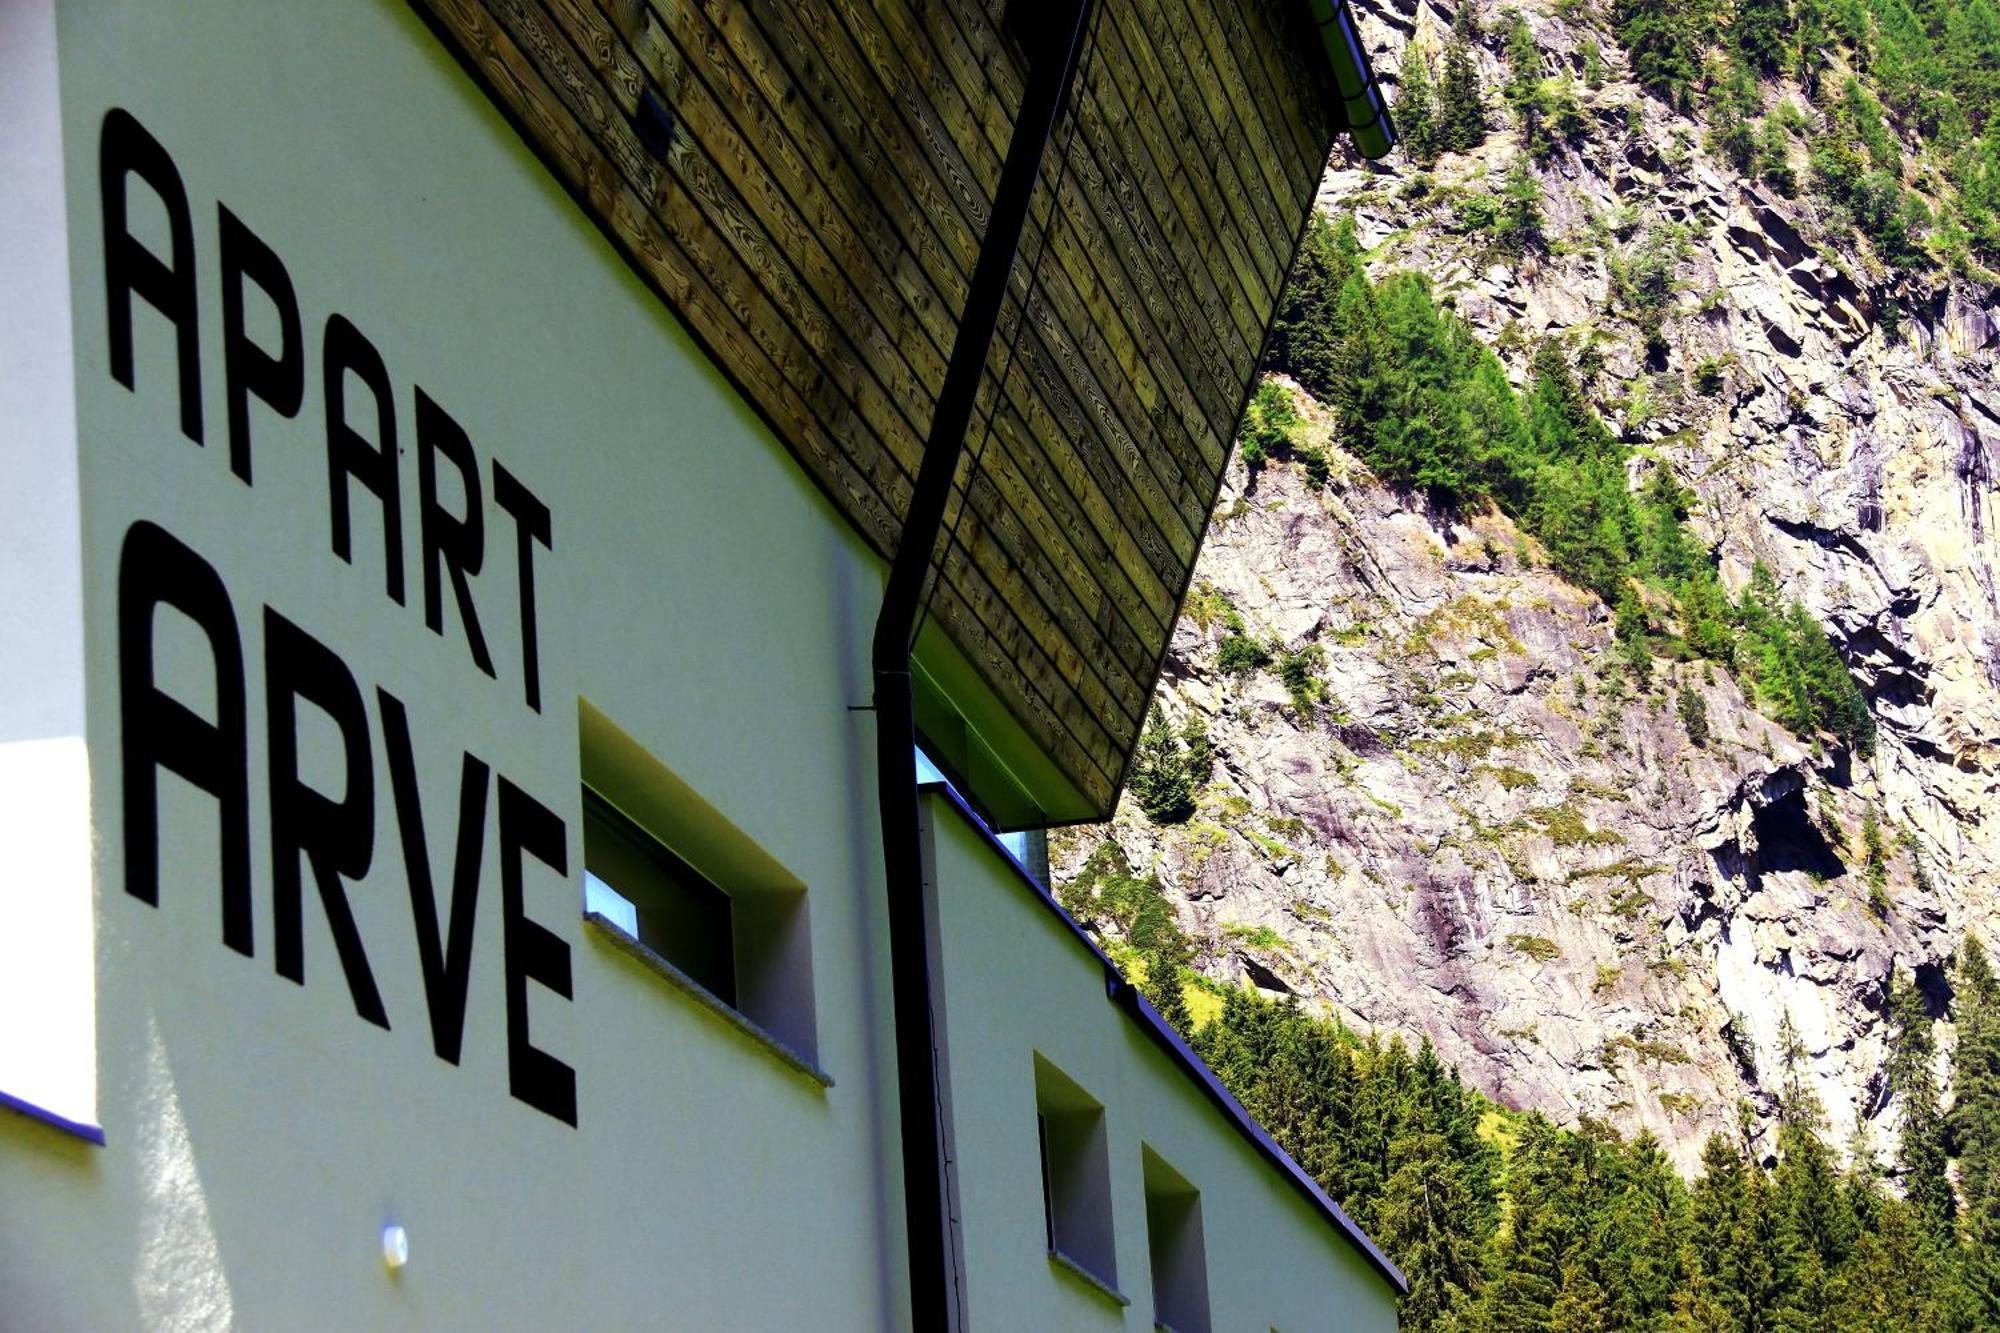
(395, 1247)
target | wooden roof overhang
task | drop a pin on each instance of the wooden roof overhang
(806, 184)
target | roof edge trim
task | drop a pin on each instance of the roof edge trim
(1359, 96)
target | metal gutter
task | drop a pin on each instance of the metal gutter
(1360, 96)
(933, 1303)
(1127, 997)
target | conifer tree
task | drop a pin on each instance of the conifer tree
(1641, 1255)
(1416, 113)
(1720, 1207)
(1461, 104)
(1429, 1218)
(1813, 43)
(1970, 54)
(1975, 1113)
(1161, 781)
(1200, 748)
(1732, 115)
(1453, 1113)
(1798, 1104)
(1762, 30)
(1664, 39)
(1773, 160)
(1378, 1110)
(1163, 987)
(1815, 1226)
(1527, 1257)
(1913, 1088)
(1595, 1233)
(1796, 669)
(1891, 1278)
(1307, 330)
(1579, 1306)
(1593, 64)
(1764, 1281)
(1520, 225)
(1834, 701)
(1524, 82)
(1974, 1123)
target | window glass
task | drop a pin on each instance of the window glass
(1175, 1249)
(667, 904)
(1076, 1173)
(674, 881)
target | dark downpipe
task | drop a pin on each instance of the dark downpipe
(1050, 71)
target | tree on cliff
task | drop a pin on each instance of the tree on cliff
(1913, 1089)
(1664, 39)
(1461, 103)
(1416, 112)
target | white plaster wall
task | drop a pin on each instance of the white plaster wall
(47, 1007)
(41, 606)
(699, 592)
(260, 1134)
(1016, 976)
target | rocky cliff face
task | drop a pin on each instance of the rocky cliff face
(1483, 830)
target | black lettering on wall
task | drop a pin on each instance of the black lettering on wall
(336, 837)
(280, 380)
(155, 570)
(534, 953)
(531, 525)
(125, 149)
(458, 544)
(447, 964)
(350, 455)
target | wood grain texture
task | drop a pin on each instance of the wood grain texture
(815, 222)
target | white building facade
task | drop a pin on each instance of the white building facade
(362, 513)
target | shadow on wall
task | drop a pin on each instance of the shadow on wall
(854, 611)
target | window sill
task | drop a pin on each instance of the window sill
(89, 1133)
(1062, 1263)
(616, 935)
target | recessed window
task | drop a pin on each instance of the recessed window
(1076, 1174)
(1174, 1244)
(686, 890)
(640, 884)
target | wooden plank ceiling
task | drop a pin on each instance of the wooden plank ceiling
(806, 182)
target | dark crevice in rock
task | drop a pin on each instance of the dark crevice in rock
(1830, 539)
(1701, 909)
(1782, 235)
(1262, 977)
(1787, 839)
(1362, 740)
(1740, 1050)
(1892, 687)
(1875, 1094)
(1934, 984)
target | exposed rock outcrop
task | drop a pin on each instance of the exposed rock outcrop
(1481, 832)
